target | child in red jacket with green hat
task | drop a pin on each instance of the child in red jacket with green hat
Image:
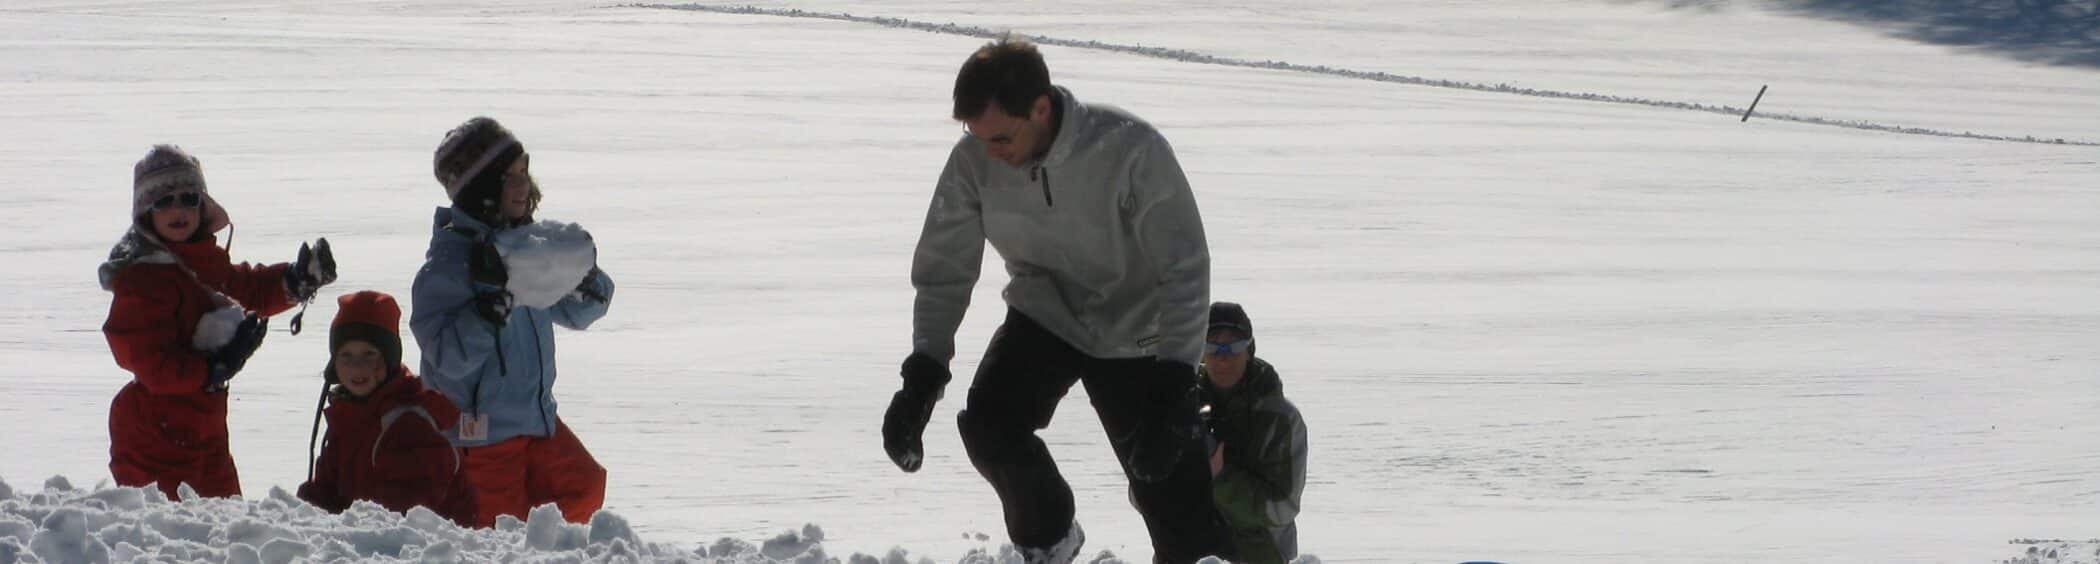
(385, 439)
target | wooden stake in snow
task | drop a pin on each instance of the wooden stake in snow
(1753, 102)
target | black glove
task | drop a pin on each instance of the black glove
(494, 306)
(1175, 428)
(314, 268)
(490, 278)
(910, 408)
(485, 266)
(589, 287)
(228, 359)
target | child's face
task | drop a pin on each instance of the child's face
(176, 221)
(359, 367)
(517, 190)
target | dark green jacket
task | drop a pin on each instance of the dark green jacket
(1264, 476)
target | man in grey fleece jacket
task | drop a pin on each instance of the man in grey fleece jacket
(1110, 284)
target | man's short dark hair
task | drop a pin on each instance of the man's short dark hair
(1008, 72)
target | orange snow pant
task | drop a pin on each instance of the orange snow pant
(518, 474)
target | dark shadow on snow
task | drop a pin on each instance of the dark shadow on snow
(2056, 32)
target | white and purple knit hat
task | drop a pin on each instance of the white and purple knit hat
(467, 152)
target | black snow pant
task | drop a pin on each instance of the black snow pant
(1025, 373)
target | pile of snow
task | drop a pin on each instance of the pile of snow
(67, 525)
(2039, 551)
(63, 524)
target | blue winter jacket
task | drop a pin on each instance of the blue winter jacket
(506, 373)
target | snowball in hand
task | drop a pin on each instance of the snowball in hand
(546, 261)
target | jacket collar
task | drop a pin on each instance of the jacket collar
(1073, 113)
(138, 247)
(450, 219)
(133, 248)
(399, 387)
(199, 252)
(1261, 381)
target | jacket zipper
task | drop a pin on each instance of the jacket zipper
(1038, 170)
(540, 398)
(502, 366)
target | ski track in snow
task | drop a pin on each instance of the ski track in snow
(1377, 76)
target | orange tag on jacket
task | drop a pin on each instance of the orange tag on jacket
(473, 426)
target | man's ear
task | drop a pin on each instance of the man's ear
(1041, 110)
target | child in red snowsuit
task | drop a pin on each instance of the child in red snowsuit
(183, 319)
(385, 429)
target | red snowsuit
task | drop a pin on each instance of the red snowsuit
(388, 448)
(163, 426)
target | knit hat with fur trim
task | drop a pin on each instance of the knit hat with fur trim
(168, 170)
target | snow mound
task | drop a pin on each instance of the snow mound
(2038, 551)
(546, 261)
(65, 525)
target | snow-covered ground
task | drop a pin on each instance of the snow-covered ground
(1522, 328)
(63, 524)
(2050, 551)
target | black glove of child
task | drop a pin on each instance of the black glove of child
(228, 359)
(314, 268)
(485, 267)
(589, 287)
(493, 306)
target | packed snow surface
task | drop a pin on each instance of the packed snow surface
(1539, 321)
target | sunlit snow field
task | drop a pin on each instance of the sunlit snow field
(1521, 328)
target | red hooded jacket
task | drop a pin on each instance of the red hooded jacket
(387, 447)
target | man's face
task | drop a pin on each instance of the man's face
(1225, 369)
(1012, 140)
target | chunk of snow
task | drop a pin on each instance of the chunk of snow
(64, 540)
(546, 261)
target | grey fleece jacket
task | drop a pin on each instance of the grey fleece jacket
(1101, 238)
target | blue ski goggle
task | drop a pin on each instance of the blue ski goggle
(1234, 348)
